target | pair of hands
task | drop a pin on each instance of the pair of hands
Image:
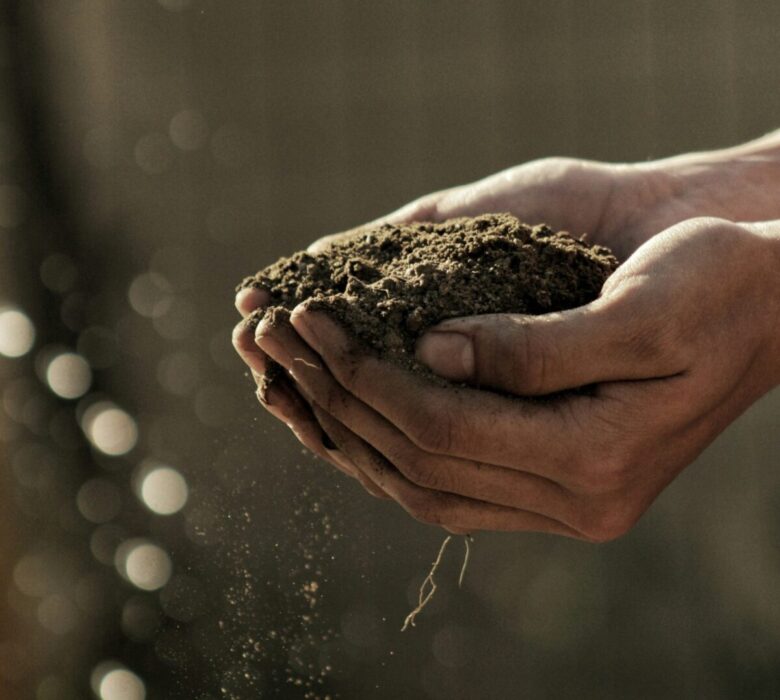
(683, 338)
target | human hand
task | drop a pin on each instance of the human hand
(567, 193)
(683, 338)
(619, 205)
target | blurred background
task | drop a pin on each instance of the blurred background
(160, 536)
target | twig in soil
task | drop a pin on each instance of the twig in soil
(423, 597)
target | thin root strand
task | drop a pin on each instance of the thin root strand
(425, 596)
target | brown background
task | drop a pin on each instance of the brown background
(317, 116)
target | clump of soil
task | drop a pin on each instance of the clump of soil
(387, 285)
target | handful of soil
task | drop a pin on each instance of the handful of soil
(387, 285)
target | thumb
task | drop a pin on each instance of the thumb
(534, 355)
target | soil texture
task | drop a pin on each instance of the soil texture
(387, 285)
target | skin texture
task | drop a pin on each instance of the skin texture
(683, 338)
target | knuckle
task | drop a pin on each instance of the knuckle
(421, 471)
(431, 432)
(610, 522)
(716, 229)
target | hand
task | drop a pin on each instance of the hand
(682, 340)
(620, 205)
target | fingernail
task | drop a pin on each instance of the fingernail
(450, 355)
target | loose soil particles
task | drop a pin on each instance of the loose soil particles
(387, 285)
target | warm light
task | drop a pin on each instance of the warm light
(17, 333)
(150, 294)
(57, 614)
(144, 564)
(110, 429)
(68, 375)
(164, 491)
(121, 684)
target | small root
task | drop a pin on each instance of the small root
(424, 596)
(308, 364)
(467, 543)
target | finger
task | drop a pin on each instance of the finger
(288, 407)
(539, 437)
(283, 402)
(535, 355)
(250, 298)
(244, 344)
(297, 413)
(477, 480)
(435, 507)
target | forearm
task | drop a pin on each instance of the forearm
(741, 183)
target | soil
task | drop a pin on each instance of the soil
(387, 285)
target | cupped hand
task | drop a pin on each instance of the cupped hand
(617, 205)
(683, 338)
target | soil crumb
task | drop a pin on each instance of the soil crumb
(387, 285)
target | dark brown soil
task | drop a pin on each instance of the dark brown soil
(387, 285)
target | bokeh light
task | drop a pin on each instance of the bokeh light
(141, 617)
(58, 273)
(177, 321)
(99, 500)
(68, 375)
(17, 333)
(110, 429)
(112, 681)
(104, 542)
(178, 373)
(150, 294)
(188, 130)
(146, 565)
(57, 614)
(164, 490)
(34, 575)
